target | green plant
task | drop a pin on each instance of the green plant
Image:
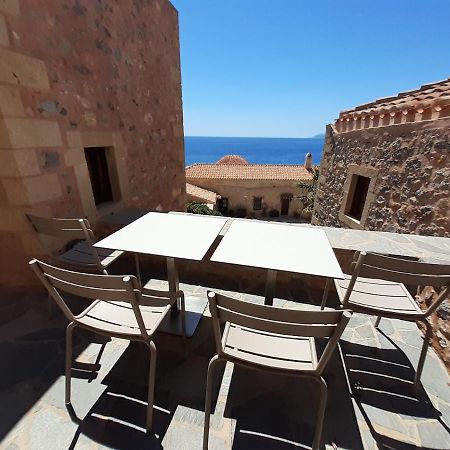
(201, 208)
(307, 199)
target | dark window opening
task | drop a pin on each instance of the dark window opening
(97, 162)
(359, 188)
(222, 205)
(257, 203)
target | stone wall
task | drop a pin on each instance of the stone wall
(85, 73)
(410, 169)
(240, 193)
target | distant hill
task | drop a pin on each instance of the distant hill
(318, 136)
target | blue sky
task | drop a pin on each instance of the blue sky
(286, 68)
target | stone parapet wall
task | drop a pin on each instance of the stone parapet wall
(78, 74)
(411, 188)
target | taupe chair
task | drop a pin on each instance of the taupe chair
(83, 255)
(119, 309)
(377, 287)
(274, 339)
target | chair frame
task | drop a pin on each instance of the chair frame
(409, 272)
(107, 288)
(69, 230)
(269, 319)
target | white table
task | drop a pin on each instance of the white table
(175, 236)
(278, 247)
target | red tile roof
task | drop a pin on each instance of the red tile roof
(248, 172)
(430, 101)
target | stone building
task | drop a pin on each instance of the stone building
(386, 165)
(252, 190)
(90, 115)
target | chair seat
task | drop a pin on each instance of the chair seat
(378, 296)
(270, 350)
(118, 318)
(82, 254)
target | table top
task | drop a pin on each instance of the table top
(185, 236)
(278, 246)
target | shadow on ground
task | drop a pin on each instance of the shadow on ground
(382, 384)
(251, 409)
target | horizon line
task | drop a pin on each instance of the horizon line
(258, 137)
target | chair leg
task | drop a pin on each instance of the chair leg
(423, 353)
(69, 334)
(151, 385)
(377, 322)
(320, 413)
(209, 382)
(325, 294)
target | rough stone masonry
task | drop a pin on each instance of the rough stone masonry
(78, 74)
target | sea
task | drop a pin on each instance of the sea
(254, 149)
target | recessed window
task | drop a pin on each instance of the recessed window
(222, 205)
(100, 163)
(358, 194)
(257, 203)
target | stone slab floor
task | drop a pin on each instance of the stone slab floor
(251, 410)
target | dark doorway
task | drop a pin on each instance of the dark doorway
(285, 206)
(96, 159)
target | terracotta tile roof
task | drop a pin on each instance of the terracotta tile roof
(430, 101)
(201, 194)
(248, 172)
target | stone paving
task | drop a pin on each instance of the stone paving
(251, 410)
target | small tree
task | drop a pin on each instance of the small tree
(308, 198)
(201, 208)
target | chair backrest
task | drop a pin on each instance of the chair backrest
(406, 271)
(96, 287)
(288, 322)
(68, 229)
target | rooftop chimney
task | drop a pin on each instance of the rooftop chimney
(308, 161)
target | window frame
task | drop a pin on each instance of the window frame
(260, 203)
(101, 158)
(353, 172)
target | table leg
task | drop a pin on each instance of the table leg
(325, 294)
(270, 286)
(138, 269)
(173, 278)
(194, 307)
